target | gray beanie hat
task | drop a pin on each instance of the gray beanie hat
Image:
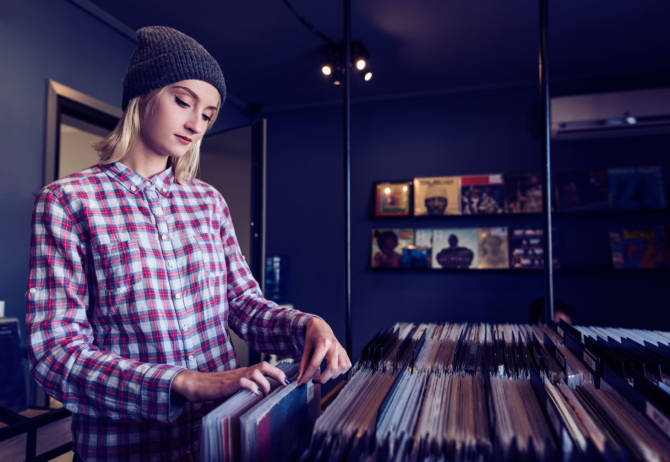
(164, 56)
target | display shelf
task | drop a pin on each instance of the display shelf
(572, 270)
(572, 213)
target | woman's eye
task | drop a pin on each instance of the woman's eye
(180, 102)
(206, 118)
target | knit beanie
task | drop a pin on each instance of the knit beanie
(164, 56)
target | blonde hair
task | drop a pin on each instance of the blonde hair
(117, 144)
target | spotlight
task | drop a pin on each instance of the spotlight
(337, 76)
(334, 66)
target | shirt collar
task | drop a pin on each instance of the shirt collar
(134, 182)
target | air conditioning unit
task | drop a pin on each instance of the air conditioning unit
(621, 113)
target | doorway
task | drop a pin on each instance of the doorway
(233, 161)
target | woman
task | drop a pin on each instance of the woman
(136, 273)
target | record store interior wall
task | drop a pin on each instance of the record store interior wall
(452, 134)
(43, 40)
(484, 131)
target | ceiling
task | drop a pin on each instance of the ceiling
(424, 46)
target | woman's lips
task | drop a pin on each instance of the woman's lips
(183, 139)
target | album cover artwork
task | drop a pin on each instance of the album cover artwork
(423, 237)
(636, 188)
(526, 248)
(455, 248)
(581, 190)
(493, 249)
(392, 199)
(482, 194)
(437, 196)
(638, 247)
(388, 245)
(523, 192)
(416, 257)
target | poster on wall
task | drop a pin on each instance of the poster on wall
(392, 199)
(482, 194)
(493, 249)
(388, 245)
(455, 248)
(436, 196)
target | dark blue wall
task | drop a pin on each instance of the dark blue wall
(43, 40)
(452, 134)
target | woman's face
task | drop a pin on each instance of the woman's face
(178, 117)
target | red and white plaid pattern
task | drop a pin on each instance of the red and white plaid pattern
(133, 280)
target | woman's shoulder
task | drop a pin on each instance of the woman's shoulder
(80, 183)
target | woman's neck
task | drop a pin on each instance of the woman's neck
(146, 164)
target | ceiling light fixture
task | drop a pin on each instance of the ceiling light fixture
(360, 64)
(334, 58)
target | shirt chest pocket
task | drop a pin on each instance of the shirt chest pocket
(119, 275)
(210, 258)
(211, 254)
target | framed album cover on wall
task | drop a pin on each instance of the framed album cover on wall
(392, 198)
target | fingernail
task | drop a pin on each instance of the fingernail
(287, 381)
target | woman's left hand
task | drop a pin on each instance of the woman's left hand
(320, 344)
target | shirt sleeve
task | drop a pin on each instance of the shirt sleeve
(64, 357)
(263, 324)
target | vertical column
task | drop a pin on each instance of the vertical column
(546, 171)
(347, 175)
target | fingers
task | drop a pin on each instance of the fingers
(332, 367)
(338, 363)
(272, 371)
(306, 355)
(250, 385)
(260, 379)
(314, 362)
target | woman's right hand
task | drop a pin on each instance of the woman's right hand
(205, 386)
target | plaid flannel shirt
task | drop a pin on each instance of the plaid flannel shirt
(133, 280)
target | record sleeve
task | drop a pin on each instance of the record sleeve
(455, 248)
(416, 257)
(636, 188)
(423, 237)
(482, 194)
(526, 248)
(493, 249)
(581, 190)
(523, 192)
(638, 247)
(387, 246)
(437, 196)
(392, 199)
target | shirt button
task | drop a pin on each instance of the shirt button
(191, 358)
(158, 211)
(170, 265)
(165, 237)
(178, 295)
(33, 290)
